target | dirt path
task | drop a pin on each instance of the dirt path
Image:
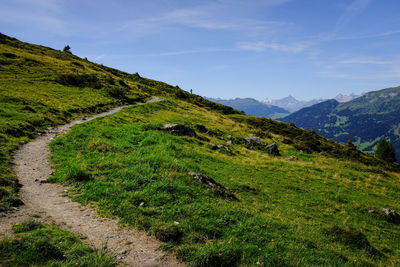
(32, 165)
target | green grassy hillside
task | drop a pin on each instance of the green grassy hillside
(309, 206)
(41, 87)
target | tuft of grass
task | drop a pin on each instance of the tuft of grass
(78, 174)
(38, 244)
(26, 226)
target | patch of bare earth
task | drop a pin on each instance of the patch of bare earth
(32, 165)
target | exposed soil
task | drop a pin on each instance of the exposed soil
(32, 165)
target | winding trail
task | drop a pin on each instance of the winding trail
(32, 165)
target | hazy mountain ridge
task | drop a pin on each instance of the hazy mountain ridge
(292, 104)
(365, 120)
(252, 107)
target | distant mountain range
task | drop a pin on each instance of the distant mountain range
(365, 120)
(292, 104)
(253, 107)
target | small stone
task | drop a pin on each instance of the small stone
(272, 149)
(141, 204)
(371, 211)
(119, 258)
(180, 129)
(229, 142)
(252, 141)
(292, 158)
(176, 223)
(123, 252)
(392, 216)
(323, 153)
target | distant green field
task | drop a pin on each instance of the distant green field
(313, 211)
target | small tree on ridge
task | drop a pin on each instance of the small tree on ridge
(67, 49)
(385, 151)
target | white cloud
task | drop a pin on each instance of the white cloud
(262, 46)
(252, 46)
(220, 15)
(48, 5)
(185, 52)
(365, 61)
(352, 11)
(99, 57)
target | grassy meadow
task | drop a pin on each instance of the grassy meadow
(310, 211)
(38, 244)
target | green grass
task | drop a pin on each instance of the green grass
(37, 244)
(313, 211)
(32, 99)
(42, 87)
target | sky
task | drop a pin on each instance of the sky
(226, 48)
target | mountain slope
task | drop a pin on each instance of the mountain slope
(206, 192)
(292, 104)
(253, 107)
(364, 120)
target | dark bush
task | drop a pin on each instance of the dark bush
(352, 238)
(3, 193)
(116, 92)
(9, 55)
(80, 80)
(385, 151)
(170, 233)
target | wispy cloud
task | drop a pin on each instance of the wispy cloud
(220, 15)
(378, 75)
(352, 11)
(186, 52)
(99, 57)
(48, 5)
(252, 46)
(365, 61)
(262, 46)
(42, 14)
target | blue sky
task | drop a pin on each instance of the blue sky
(226, 48)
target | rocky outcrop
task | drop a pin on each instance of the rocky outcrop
(214, 185)
(180, 129)
(252, 142)
(392, 216)
(272, 149)
(217, 147)
(292, 158)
